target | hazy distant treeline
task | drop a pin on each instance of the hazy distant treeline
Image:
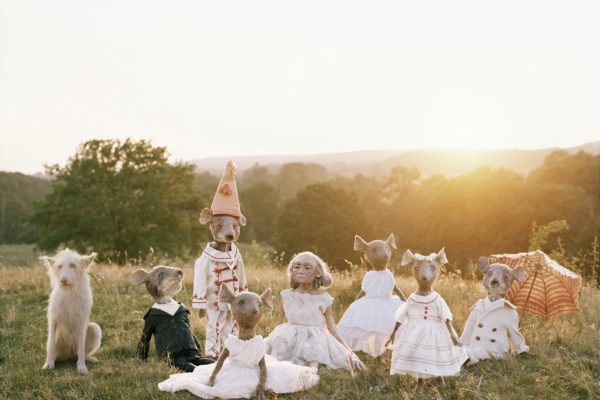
(479, 213)
(300, 206)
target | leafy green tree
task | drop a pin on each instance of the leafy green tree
(120, 198)
(260, 203)
(254, 174)
(322, 219)
(18, 192)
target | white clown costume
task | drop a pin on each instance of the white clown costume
(240, 374)
(492, 331)
(214, 268)
(211, 270)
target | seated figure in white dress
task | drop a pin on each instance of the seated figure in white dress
(427, 344)
(368, 322)
(243, 369)
(309, 337)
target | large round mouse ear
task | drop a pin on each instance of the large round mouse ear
(483, 264)
(441, 256)
(267, 298)
(205, 216)
(138, 277)
(359, 244)
(226, 295)
(518, 273)
(407, 258)
(391, 241)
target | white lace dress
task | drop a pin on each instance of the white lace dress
(423, 346)
(304, 338)
(240, 374)
(369, 321)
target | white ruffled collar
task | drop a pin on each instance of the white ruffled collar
(170, 307)
(424, 299)
(228, 257)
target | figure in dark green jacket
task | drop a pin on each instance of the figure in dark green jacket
(168, 320)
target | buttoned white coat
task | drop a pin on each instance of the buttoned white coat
(492, 331)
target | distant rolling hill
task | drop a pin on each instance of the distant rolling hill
(379, 162)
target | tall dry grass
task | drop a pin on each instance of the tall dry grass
(565, 359)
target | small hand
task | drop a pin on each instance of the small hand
(211, 380)
(202, 313)
(390, 341)
(356, 363)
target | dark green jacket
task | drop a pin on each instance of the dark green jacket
(172, 333)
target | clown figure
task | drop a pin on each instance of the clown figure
(220, 263)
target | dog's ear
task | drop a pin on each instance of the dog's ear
(391, 241)
(360, 244)
(86, 261)
(242, 220)
(138, 277)
(46, 261)
(267, 298)
(226, 295)
(205, 216)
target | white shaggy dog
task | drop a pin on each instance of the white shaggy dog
(70, 332)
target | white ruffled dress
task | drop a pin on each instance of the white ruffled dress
(240, 374)
(304, 338)
(423, 347)
(369, 321)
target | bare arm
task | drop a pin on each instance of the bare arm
(218, 366)
(262, 380)
(399, 293)
(453, 335)
(393, 335)
(360, 294)
(332, 327)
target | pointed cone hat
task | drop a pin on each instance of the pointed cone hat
(226, 201)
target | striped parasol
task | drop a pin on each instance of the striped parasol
(549, 288)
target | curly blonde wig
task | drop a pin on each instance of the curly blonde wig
(323, 281)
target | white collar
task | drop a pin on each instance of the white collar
(486, 306)
(228, 257)
(424, 299)
(170, 308)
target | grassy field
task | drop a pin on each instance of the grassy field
(565, 359)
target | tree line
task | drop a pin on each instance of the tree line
(122, 198)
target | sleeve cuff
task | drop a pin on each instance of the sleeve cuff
(199, 305)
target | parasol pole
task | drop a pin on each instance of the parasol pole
(537, 268)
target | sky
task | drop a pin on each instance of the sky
(227, 78)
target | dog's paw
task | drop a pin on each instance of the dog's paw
(82, 368)
(48, 365)
(91, 359)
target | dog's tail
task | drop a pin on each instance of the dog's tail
(92, 338)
